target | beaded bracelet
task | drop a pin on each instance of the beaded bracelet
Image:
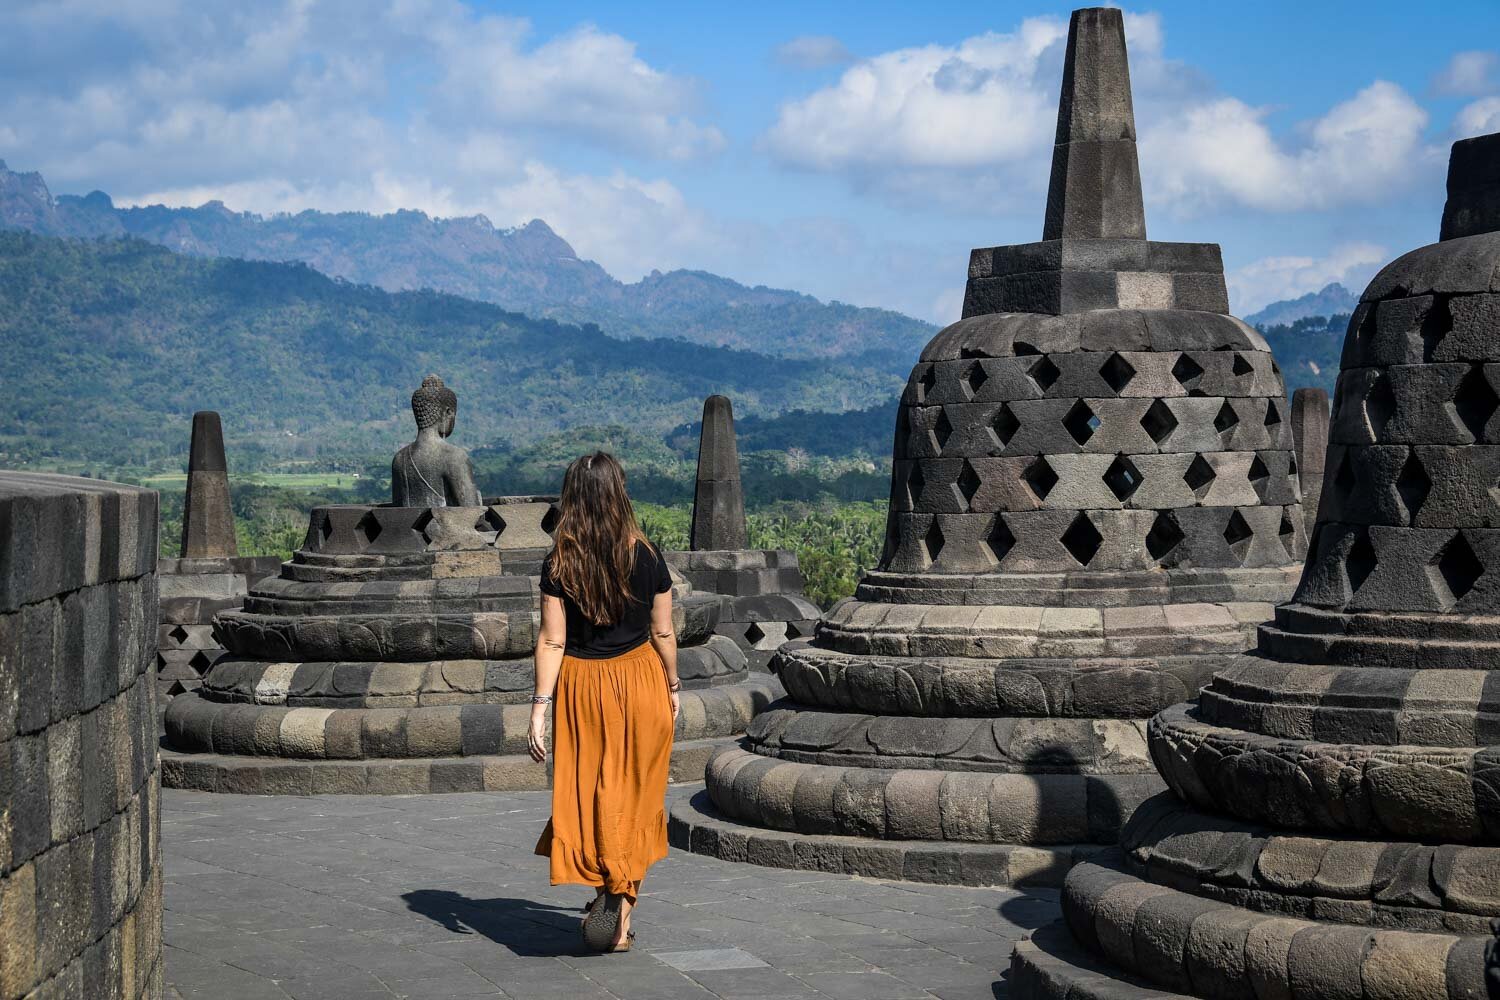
(541, 699)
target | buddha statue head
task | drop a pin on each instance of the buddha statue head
(434, 405)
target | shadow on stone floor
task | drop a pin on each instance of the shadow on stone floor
(521, 925)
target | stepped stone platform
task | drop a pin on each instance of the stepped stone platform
(392, 654)
(80, 843)
(1094, 503)
(760, 590)
(209, 577)
(1333, 822)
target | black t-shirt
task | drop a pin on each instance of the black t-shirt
(599, 642)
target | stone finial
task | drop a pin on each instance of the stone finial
(719, 499)
(1095, 191)
(207, 520)
(1473, 205)
(1310, 438)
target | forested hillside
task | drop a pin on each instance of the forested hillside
(529, 269)
(110, 344)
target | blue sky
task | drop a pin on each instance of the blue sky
(851, 151)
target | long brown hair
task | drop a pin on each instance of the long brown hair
(594, 545)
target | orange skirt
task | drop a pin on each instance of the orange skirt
(611, 749)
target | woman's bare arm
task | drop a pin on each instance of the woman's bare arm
(551, 641)
(664, 641)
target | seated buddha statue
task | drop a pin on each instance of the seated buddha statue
(430, 472)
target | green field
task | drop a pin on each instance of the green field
(285, 480)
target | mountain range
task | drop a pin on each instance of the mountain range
(1331, 300)
(529, 269)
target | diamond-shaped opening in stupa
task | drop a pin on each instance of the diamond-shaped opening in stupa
(1237, 534)
(1435, 325)
(1413, 485)
(1165, 535)
(1159, 421)
(1122, 478)
(1082, 539)
(1044, 373)
(932, 542)
(942, 429)
(1380, 404)
(1273, 413)
(1259, 475)
(1081, 422)
(915, 482)
(999, 541)
(1474, 402)
(1117, 372)
(968, 484)
(1227, 418)
(1040, 478)
(1459, 569)
(1004, 425)
(754, 633)
(1199, 476)
(1242, 365)
(368, 529)
(1287, 534)
(926, 383)
(974, 378)
(1188, 372)
(1360, 561)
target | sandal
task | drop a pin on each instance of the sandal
(602, 922)
(623, 946)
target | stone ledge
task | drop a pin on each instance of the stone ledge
(491, 773)
(909, 804)
(694, 825)
(1205, 948)
(1049, 965)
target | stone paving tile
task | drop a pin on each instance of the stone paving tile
(439, 896)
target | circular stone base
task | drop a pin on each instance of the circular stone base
(1049, 965)
(210, 772)
(694, 825)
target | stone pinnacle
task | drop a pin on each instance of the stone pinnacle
(1310, 438)
(1473, 205)
(1095, 191)
(719, 499)
(207, 521)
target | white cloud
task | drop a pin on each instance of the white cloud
(1479, 118)
(1468, 74)
(971, 125)
(1272, 279)
(813, 52)
(1361, 149)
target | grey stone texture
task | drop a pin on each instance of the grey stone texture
(80, 859)
(1310, 438)
(430, 472)
(393, 654)
(1333, 822)
(760, 590)
(207, 521)
(435, 897)
(718, 498)
(1094, 504)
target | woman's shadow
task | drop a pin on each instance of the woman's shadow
(523, 926)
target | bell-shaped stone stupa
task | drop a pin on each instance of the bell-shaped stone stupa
(1333, 828)
(1093, 504)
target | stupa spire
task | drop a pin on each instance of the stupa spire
(1095, 192)
(719, 499)
(207, 520)
(1473, 205)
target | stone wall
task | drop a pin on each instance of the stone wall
(80, 861)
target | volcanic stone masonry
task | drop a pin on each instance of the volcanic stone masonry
(392, 654)
(211, 576)
(1094, 502)
(762, 604)
(1310, 436)
(1334, 814)
(80, 859)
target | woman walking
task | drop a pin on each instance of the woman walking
(606, 660)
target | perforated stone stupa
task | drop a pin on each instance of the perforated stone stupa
(760, 590)
(1333, 826)
(210, 576)
(393, 654)
(1093, 504)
